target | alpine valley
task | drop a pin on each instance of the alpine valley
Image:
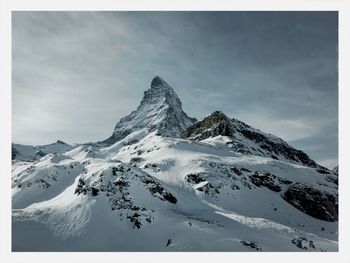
(164, 181)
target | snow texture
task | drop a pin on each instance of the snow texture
(223, 186)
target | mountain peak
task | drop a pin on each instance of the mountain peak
(60, 142)
(160, 109)
(213, 125)
(161, 93)
(219, 115)
(158, 81)
(246, 139)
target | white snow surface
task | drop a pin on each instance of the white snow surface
(145, 189)
(57, 218)
(32, 153)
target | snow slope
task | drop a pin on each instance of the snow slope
(32, 153)
(150, 190)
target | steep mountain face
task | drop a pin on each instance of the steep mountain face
(245, 139)
(160, 109)
(147, 189)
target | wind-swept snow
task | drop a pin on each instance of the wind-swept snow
(146, 189)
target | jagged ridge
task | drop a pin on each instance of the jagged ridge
(246, 139)
(160, 109)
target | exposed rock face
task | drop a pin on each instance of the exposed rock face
(160, 109)
(246, 139)
(268, 180)
(252, 245)
(214, 125)
(312, 201)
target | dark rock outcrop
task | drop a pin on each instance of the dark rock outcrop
(246, 139)
(268, 180)
(313, 202)
(251, 244)
(214, 125)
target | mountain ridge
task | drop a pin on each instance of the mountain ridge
(243, 135)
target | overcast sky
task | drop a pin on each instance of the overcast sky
(75, 74)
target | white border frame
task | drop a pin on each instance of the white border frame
(6, 6)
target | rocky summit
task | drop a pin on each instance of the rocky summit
(246, 139)
(166, 182)
(160, 109)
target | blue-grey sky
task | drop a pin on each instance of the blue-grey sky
(75, 74)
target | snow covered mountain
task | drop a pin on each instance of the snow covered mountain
(160, 109)
(163, 182)
(246, 139)
(32, 153)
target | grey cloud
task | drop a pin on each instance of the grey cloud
(75, 74)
